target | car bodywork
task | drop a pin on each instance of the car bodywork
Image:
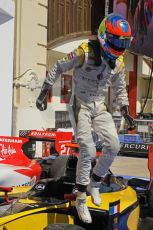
(144, 187)
(16, 168)
(52, 200)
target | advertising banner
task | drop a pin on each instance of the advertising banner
(139, 14)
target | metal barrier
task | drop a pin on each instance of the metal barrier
(143, 127)
(145, 130)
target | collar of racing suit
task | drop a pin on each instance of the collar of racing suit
(99, 53)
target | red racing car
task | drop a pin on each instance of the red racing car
(18, 169)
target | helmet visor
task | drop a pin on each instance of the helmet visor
(120, 42)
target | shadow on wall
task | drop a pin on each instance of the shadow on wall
(4, 17)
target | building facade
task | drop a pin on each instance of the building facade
(44, 32)
(7, 13)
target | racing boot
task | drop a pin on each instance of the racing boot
(93, 190)
(82, 208)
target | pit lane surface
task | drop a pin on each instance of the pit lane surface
(130, 166)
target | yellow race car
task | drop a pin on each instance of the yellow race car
(50, 204)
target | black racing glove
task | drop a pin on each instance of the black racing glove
(41, 102)
(128, 119)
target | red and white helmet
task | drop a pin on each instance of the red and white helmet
(114, 35)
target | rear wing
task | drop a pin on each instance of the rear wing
(60, 139)
(11, 148)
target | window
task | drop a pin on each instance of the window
(62, 119)
(66, 88)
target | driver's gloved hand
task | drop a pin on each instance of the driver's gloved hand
(128, 119)
(41, 105)
(41, 102)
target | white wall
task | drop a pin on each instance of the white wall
(6, 65)
(29, 63)
(143, 82)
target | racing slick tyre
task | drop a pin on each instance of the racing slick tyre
(63, 227)
(150, 201)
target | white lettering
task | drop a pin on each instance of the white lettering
(126, 146)
(44, 134)
(132, 146)
(135, 146)
(10, 140)
(65, 150)
(7, 150)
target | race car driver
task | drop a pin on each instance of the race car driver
(97, 65)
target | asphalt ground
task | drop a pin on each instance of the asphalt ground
(130, 166)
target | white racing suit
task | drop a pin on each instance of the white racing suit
(87, 107)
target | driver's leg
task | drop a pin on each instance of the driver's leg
(104, 126)
(87, 151)
(106, 130)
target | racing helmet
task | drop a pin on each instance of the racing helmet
(114, 35)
